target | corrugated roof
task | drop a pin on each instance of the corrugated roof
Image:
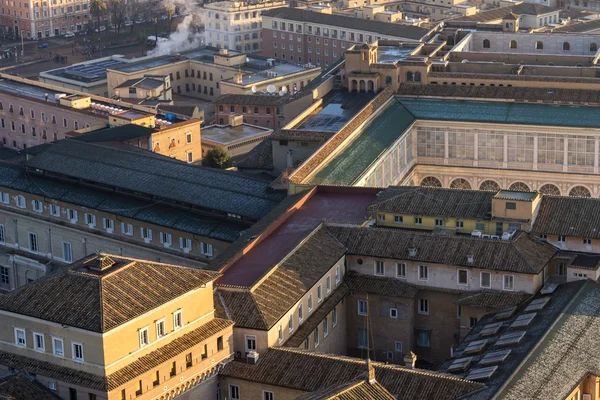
(162, 177)
(382, 28)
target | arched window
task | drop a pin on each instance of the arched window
(580, 191)
(549, 189)
(513, 44)
(417, 77)
(410, 77)
(593, 47)
(460, 183)
(539, 45)
(519, 187)
(486, 44)
(431, 181)
(489, 186)
(566, 46)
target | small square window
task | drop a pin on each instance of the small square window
(463, 277)
(379, 268)
(511, 206)
(398, 219)
(362, 307)
(398, 347)
(393, 313)
(418, 220)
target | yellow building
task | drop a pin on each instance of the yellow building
(111, 327)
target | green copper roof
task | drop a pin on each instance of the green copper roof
(377, 136)
(399, 114)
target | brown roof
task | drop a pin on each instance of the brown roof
(260, 157)
(502, 92)
(101, 301)
(579, 27)
(314, 371)
(167, 352)
(523, 254)
(19, 387)
(356, 390)
(50, 370)
(442, 202)
(380, 285)
(316, 317)
(492, 299)
(568, 216)
(302, 135)
(264, 305)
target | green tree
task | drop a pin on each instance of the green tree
(217, 158)
(97, 9)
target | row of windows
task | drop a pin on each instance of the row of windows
(58, 345)
(246, 110)
(299, 59)
(325, 32)
(190, 72)
(462, 275)
(539, 45)
(108, 224)
(160, 328)
(234, 393)
(43, 116)
(324, 327)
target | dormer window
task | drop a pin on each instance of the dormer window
(412, 252)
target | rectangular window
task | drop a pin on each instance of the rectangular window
(334, 316)
(439, 222)
(146, 233)
(250, 343)
(460, 224)
(67, 253)
(33, 243)
(109, 224)
(423, 272)
(398, 219)
(280, 333)
(319, 294)
(316, 336)
(188, 138)
(5, 198)
(185, 244)
(58, 347)
(458, 311)
(77, 349)
(21, 202)
(54, 210)
(37, 206)
(234, 392)
(401, 271)
(126, 229)
(423, 339)
(291, 323)
(189, 359)
(144, 339)
(166, 238)
(511, 205)
(4, 275)
(362, 338)
(220, 343)
(462, 277)
(418, 220)
(156, 380)
(206, 249)
(337, 275)
(173, 371)
(160, 329)
(2, 237)
(20, 339)
(139, 388)
(587, 241)
(379, 268)
(39, 342)
(178, 319)
(508, 282)
(398, 347)
(423, 306)
(325, 327)
(268, 395)
(362, 307)
(310, 304)
(486, 280)
(300, 313)
(72, 215)
(393, 313)
(328, 283)
(90, 219)
(561, 238)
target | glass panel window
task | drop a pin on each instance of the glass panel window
(362, 307)
(423, 272)
(58, 347)
(508, 282)
(424, 306)
(379, 268)
(486, 280)
(401, 271)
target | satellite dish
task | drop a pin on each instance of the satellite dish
(271, 89)
(284, 89)
(254, 89)
(281, 93)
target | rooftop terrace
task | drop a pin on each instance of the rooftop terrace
(225, 134)
(391, 54)
(325, 204)
(338, 108)
(31, 91)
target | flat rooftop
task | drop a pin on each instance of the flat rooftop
(514, 195)
(141, 65)
(391, 54)
(31, 91)
(225, 134)
(131, 115)
(339, 107)
(326, 204)
(392, 122)
(88, 72)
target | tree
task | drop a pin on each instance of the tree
(117, 10)
(217, 158)
(170, 11)
(98, 9)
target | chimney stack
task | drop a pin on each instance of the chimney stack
(410, 360)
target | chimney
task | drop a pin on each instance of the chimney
(410, 360)
(370, 372)
(252, 358)
(236, 119)
(412, 251)
(470, 259)
(238, 78)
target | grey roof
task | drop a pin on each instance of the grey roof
(459, 203)
(580, 27)
(258, 99)
(123, 132)
(159, 177)
(159, 213)
(142, 83)
(558, 349)
(260, 157)
(382, 28)
(523, 254)
(187, 111)
(568, 216)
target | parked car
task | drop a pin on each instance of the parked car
(69, 35)
(43, 45)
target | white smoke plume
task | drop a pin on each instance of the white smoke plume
(182, 39)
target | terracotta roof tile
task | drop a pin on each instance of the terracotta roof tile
(19, 387)
(357, 390)
(568, 216)
(492, 299)
(383, 286)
